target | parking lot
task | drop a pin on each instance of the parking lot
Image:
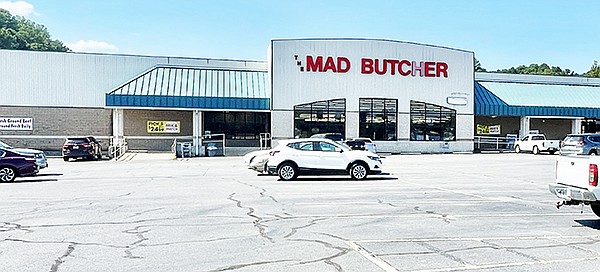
(453, 212)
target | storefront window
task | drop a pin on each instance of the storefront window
(237, 125)
(431, 122)
(378, 118)
(320, 117)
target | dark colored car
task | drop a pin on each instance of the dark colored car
(336, 137)
(13, 164)
(81, 147)
(580, 144)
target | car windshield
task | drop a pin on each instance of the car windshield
(4, 145)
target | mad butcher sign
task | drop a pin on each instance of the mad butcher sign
(368, 66)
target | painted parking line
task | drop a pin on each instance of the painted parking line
(385, 266)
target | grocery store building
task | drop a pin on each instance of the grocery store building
(407, 97)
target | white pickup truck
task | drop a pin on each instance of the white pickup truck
(577, 181)
(536, 143)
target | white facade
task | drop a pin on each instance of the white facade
(81, 80)
(309, 70)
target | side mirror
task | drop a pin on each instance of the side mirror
(337, 149)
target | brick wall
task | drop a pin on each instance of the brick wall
(56, 123)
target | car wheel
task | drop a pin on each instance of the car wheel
(552, 152)
(358, 171)
(65, 158)
(517, 149)
(287, 171)
(593, 153)
(7, 174)
(596, 209)
(536, 150)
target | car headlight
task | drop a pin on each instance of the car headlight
(375, 158)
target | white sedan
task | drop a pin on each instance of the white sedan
(315, 156)
(257, 160)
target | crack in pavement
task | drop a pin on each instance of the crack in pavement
(60, 260)
(444, 253)
(134, 245)
(60, 242)
(442, 216)
(329, 259)
(257, 220)
(146, 211)
(509, 249)
(238, 266)
(295, 229)
(9, 226)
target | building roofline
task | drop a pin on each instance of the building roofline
(371, 39)
(134, 55)
(537, 79)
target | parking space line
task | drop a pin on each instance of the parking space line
(372, 258)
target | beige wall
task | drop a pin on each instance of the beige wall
(135, 125)
(52, 125)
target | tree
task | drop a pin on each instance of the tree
(541, 69)
(478, 67)
(17, 32)
(594, 71)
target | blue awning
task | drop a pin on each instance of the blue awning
(194, 88)
(521, 99)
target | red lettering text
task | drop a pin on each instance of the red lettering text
(442, 69)
(313, 66)
(367, 66)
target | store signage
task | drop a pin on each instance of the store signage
(488, 130)
(368, 66)
(16, 123)
(163, 126)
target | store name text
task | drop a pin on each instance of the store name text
(402, 67)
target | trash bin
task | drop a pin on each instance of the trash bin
(211, 149)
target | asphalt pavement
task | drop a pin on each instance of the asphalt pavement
(150, 212)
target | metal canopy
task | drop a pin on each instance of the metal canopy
(521, 99)
(196, 88)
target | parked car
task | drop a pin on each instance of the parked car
(257, 160)
(536, 143)
(81, 147)
(40, 156)
(314, 156)
(362, 144)
(14, 164)
(337, 137)
(580, 144)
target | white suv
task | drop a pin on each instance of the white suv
(321, 157)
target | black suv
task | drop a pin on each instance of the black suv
(81, 147)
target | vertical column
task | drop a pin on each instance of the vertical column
(524, 127)
(118, 125)
(197, 131)
(576, 126)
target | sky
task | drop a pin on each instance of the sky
(502, 33)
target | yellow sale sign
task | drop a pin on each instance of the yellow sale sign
(163, 126)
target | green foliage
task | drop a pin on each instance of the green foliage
(535, 69)
(594, 71)
(17, 32)
(477, 66)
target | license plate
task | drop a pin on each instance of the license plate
(75, 147)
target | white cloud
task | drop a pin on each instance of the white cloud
(92, 47)
(21, 8)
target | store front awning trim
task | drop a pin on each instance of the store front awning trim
(517, 99)
(193, 88)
